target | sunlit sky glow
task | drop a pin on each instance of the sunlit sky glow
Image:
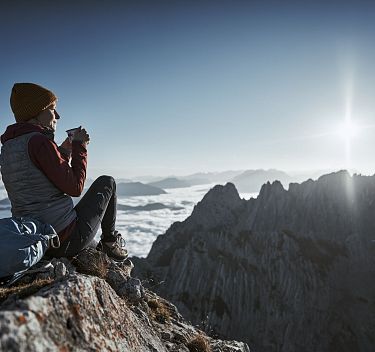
(176, 87)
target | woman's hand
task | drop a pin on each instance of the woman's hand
(81, 136)
(67, 145)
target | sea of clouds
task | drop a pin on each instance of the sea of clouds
(140, 228)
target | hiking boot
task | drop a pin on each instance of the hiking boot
(115, 250)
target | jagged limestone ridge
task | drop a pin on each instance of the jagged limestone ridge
(290, 270)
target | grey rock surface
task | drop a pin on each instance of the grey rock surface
(289, 271)
(80, 312)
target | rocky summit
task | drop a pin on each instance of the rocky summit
(93, 304)
(292, 270)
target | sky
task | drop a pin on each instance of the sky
(177, 87)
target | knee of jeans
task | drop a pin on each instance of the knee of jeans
(108, 181)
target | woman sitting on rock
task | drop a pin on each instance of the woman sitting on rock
(40, 177)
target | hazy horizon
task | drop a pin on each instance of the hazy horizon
(154, 177)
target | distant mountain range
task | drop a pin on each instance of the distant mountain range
(213, 177)
(248, 181)
(5, 204)
(292, 270)
(170, 182)
(137, 189)
(252, 180)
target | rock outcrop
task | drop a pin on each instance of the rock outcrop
(72, 311)
(289, 271)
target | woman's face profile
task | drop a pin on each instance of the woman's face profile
(49, 116)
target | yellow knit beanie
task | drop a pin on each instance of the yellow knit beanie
(28, 100)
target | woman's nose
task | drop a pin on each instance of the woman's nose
(57, 116)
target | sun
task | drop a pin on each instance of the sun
(348, 130)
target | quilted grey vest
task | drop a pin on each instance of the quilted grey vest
(30, 192)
